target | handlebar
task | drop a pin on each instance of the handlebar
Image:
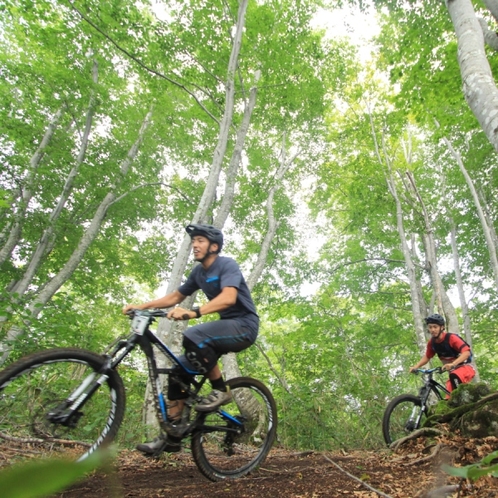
(151, 313)
(427, 371)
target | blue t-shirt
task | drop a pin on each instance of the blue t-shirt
(224, 272)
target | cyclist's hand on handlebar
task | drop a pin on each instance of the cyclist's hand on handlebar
(129, 308)
(447, 367)
(178, 314)
(413, 370)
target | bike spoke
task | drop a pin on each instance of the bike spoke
(34, 415)
(236, 439)
(403, 416)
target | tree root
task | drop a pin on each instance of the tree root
(64, 442)
(363, 483)
(425, 431)
(435, 451)
(442, 492)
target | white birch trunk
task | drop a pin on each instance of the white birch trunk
(442, 299)
(419, 290)
(488, 216)
(93, 229)
(479, 87)
(488, 233)
(490, 37)
(166, 330)
(46, 241)
(405, 249)
(88, 237)
(492, 6)
(461, 295)
(410, 269)
(233, 168)
(230, 365)
(171, 332)
(443, 302)
(15, 228)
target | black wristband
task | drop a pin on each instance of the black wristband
(197, 312)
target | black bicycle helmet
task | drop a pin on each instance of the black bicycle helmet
(435, 318)
(211, 233)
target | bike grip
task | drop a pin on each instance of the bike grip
(186, 316)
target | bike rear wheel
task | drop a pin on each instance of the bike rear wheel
(236, 439)
(400, 417)
(39, 385)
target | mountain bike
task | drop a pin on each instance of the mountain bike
(407, 412)
(73, 401)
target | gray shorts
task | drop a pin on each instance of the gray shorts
(223, 336)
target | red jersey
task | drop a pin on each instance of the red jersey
(448, 349)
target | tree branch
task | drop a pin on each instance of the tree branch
(149, 185)
(386, 260)
(283, 383)
(141, 64)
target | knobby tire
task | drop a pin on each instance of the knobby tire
(35, 385)
(396, 423)
(220, 454)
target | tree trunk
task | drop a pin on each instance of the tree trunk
(410, 267)
(46, 241)
(420, 291)
(461, 294)
(492, 6)
(171, 332)
(443, 302)
(165, 327)
(490, 37)
(479, 86)
(230, 365)
(88, 237)
(488, 232)
(233, 168)
(14, 229)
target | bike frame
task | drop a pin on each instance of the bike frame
(141, 335)
(430, 385)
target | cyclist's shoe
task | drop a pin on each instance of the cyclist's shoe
(214, 400)
(164, 442)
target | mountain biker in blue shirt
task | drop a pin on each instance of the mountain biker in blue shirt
(222, 281)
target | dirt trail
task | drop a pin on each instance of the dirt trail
(409, 473)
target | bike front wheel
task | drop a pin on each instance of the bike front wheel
(36, 395)
(403, 415)
(236, 439)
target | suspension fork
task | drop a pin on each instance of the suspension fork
(418, 411)
(68, 411)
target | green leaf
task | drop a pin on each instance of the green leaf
(45, 477)
(462, 472)
(472, 472)
(489, 459)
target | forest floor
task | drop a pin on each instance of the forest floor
(413, 471)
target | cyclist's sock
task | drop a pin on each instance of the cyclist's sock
(455, 380)
(219, 384)
(175, 408)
